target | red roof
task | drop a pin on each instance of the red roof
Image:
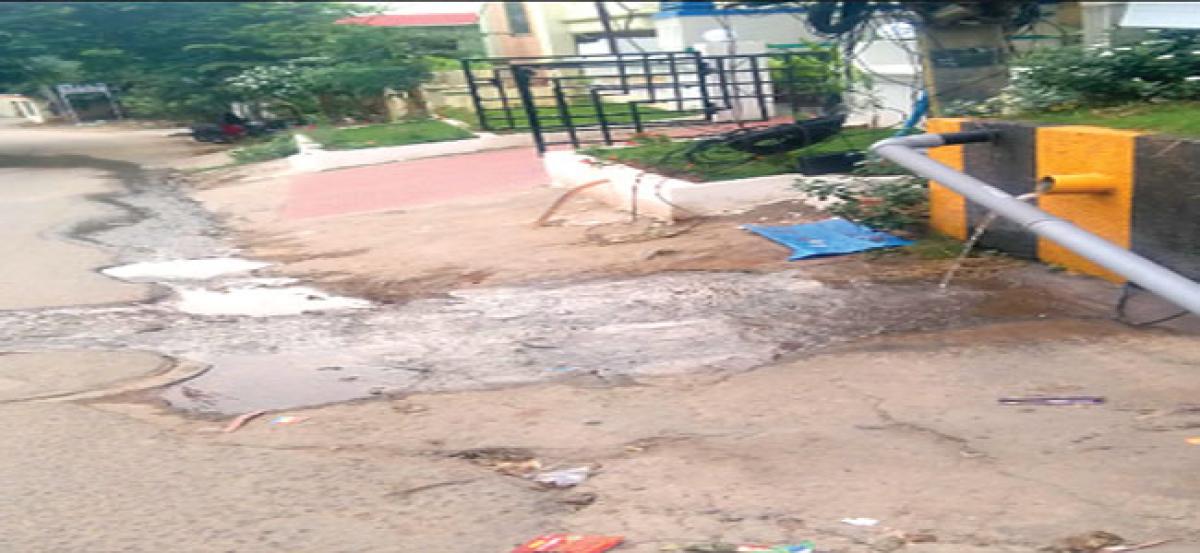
(413, 20)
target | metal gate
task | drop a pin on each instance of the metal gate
(604, 98)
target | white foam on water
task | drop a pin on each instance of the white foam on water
(257, 301)
(183, 269)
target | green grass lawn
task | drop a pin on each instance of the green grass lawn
(334, 138)
(723, 163)
(465, 115)
(264, 149)
(585, 114)
(1177, 118)
(391, 134)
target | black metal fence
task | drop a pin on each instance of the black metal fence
(603, 98)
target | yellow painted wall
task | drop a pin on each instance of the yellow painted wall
(947, 210)
(1079, 149)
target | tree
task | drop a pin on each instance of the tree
(166, 58)
(192, 59)
(370, 61)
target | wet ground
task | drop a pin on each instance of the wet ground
(273, 343)
(872, 395)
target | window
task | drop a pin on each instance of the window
(517, 22)
(17, 108)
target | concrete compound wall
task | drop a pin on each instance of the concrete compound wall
(313, 158)
(672, 199)
(1151, 201)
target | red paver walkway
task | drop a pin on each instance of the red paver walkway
(410, 183)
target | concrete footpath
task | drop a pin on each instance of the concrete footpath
(393, 186)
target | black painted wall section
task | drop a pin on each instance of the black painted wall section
(1009, 164)
(1166, 202)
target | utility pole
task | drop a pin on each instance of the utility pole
(964, 47)
(967, 63)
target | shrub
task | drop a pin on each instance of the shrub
(815, 75)
(892, 204)
(1166, 67)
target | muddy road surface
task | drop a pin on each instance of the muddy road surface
(710, 403)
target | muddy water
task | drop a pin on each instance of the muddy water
(601, 331)
(310, 348)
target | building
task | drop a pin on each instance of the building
(460, 30)
(515, 29)
(888, 55)
(16, 108)
(519, 29)
(1115, 23)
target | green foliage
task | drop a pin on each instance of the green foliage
(276, 147)
(897, 205)
(190, 59)
(267, 82)
(1070, 78)
(664, 156)
(465, 115)
(935, 246)
(816, 75)
(352, 138)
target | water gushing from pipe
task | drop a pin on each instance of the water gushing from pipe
(1151, 276)
(975, 236)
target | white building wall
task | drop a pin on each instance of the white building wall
(894, 72)
(890, 62)
(681, 32)
(1099, 20)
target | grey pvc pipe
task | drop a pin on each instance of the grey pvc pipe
(1160, 280)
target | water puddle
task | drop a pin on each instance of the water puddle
(183, 269)
(257, 300)
(232, 294)
(240, 383)
(274, 343)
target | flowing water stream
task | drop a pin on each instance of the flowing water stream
(975, 236)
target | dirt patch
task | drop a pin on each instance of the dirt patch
(913, 437)
(396, 256)
(490, 241)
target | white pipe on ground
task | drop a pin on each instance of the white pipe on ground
(1164, 282)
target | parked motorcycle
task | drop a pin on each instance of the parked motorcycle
(233, 129)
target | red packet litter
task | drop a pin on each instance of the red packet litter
(569, 543)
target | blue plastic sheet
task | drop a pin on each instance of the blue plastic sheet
(829, 237)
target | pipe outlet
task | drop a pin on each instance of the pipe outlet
(1083, 183)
